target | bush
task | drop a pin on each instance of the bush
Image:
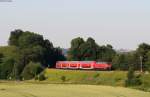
(63, 78)
(132, 79)
(36, 78)
(31, 70)
(96, 75)
(42, 77)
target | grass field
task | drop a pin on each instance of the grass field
(114, 78)
(109, 78)
(61, 90)
(76, 83)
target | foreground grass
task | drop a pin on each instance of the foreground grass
(61, 90)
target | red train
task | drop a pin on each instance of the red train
(83, 65)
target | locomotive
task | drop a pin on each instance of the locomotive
(90, 65)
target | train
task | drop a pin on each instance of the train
(89, 65)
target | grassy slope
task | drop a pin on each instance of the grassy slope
(86, 77)
(60, 90)
(113, 78)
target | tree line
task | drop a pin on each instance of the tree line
(89, 50)
(28, 54)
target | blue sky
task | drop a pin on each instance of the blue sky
(122, 23)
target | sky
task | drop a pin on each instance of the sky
(121, 23)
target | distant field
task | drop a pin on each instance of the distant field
(61, 90)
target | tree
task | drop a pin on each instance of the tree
(25, 47)
(6, 68)
(33, 47)
(142, 51)
(1, 57)
(120, 62)
(13, 40)
(106, 53)
(147, 64)
(74, 51)
(58, 55)
(30, 39)
(134, 59)
(10, 57)
(90, 51)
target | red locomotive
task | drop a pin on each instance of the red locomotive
(83, 65)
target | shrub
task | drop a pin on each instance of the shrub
(132, 79)
(96, 75)
(36, 77)
(42, 77)
(63, 78)
(31, 70)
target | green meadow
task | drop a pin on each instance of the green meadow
(108, 78)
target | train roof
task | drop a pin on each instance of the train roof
(82, 62)
(77, 61)
(101, 62)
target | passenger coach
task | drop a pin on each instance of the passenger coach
(83, 65)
